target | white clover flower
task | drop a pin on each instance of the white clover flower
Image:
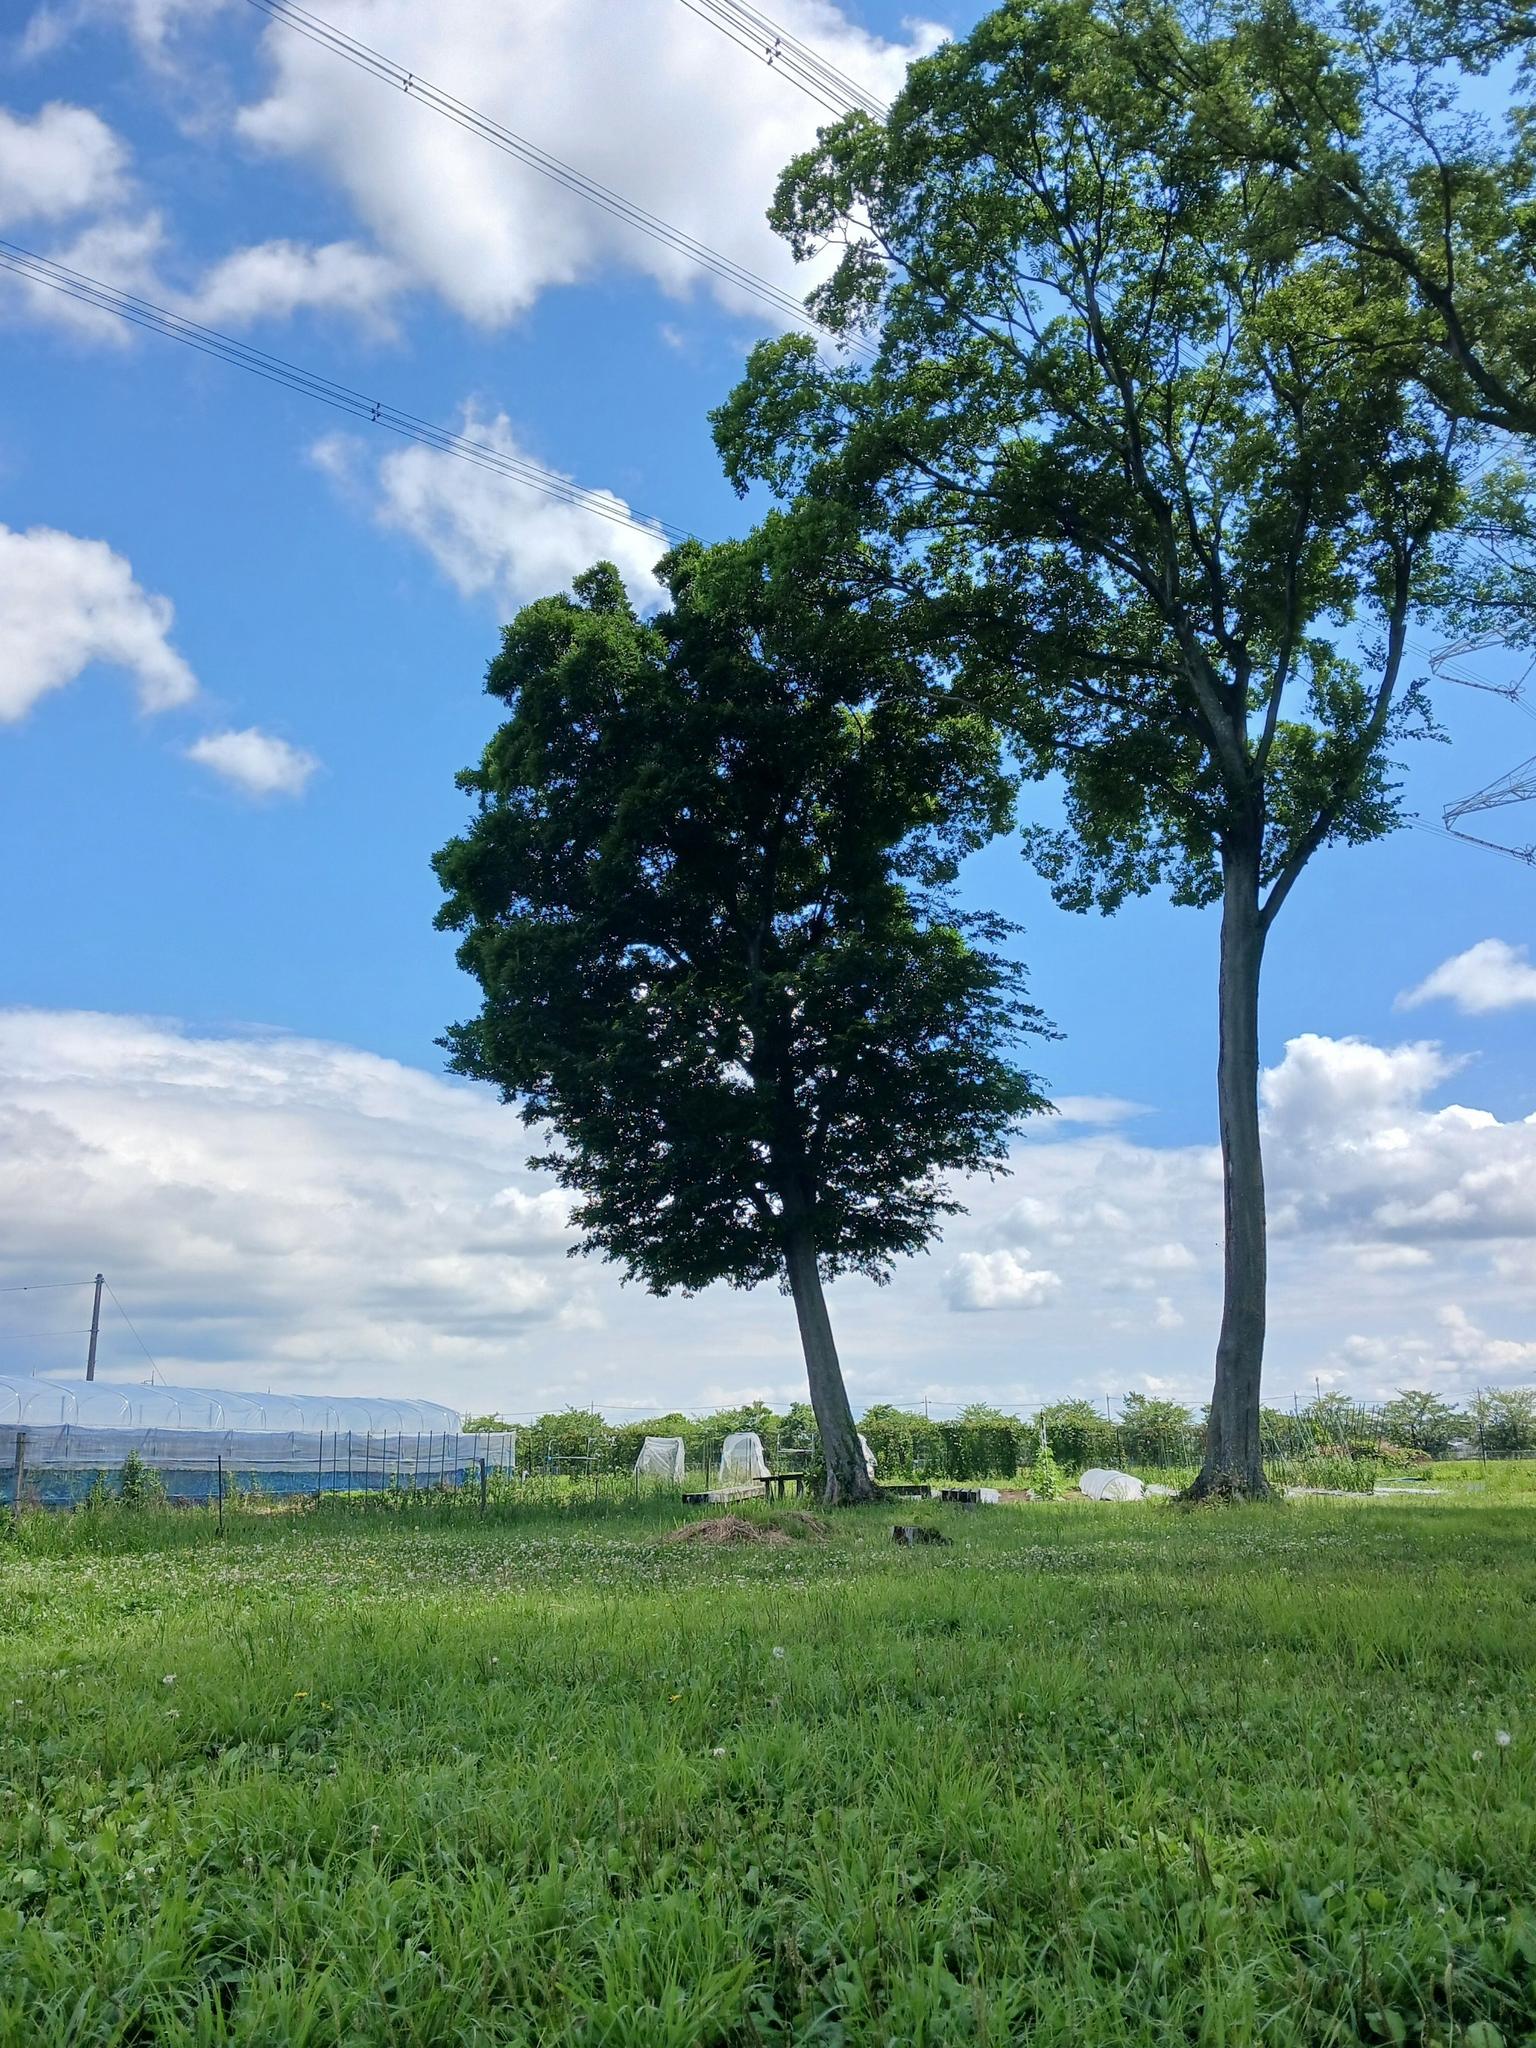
(777, 1651)
(717, 1752)
(1502, 1737)
(169, 1678)
(1477, 1756)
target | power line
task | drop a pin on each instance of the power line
(789, 57)
(328, 37)
(40, 1286)
(136, 1337)
(208, 341)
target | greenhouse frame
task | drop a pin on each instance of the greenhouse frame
(67, 1435)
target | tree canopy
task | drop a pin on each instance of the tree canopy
(707, 896)
(1112, 455)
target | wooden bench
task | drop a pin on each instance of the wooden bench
(780, 1482)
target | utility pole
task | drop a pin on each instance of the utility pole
(90, 1356)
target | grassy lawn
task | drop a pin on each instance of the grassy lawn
(1089, 1775)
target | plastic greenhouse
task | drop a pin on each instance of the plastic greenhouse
(71, 1430)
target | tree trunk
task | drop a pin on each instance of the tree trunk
(847, 1475)
(1234, 1461)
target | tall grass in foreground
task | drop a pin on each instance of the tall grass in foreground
(1089, 1775)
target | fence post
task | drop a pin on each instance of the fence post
(221, 1493)
(18, 1477)
(483, 1483)
(320, 1470)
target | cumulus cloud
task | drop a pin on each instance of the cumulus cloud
(1492, 975)
(270, 281)
(280, 1212)
(487, 233)
(67, 602)
(254, 761)
(1000, 1279)
(489, 535)
(151, 23)
(273, 1205)
(62, 160)
(440, 209)
(122, 251)
(274, 280)
(65, 162)
(1358, 1153)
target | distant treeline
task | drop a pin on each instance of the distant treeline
(984, 1441)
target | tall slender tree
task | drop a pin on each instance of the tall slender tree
(706, 894)
(1111, 453)
(1375, 124)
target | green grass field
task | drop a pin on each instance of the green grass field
(1088, 1775)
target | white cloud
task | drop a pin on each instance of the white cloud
(267, 281)
(121, 251)
(276, 1211)
(1001, 1279)
(67, 602)
(489, 234)
(275, 1207)
(1163, 1258)
(255, 761)
(274, 280)
(489, 535)
(1492, 975)
(442, 210)
(60, 161)
(1093, 1109)
(1357, 1154)
(151, 23)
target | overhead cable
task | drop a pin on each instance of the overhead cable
(241, 355)
(153, 1365)
(792, 59)
(328, 37)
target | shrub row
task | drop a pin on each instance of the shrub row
(985, 1443)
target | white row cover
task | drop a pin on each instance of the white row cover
(119, 1404)
(1098, 1484)
(661, 1458)
(741, 1458)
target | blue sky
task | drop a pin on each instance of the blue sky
(349, 611)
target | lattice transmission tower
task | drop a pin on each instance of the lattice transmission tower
(1519, 785)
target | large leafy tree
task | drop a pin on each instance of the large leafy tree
(1375, 121)
(706, 895)
(1403, 136)
(1111, 453)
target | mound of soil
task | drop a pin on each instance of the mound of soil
(726, 1529)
